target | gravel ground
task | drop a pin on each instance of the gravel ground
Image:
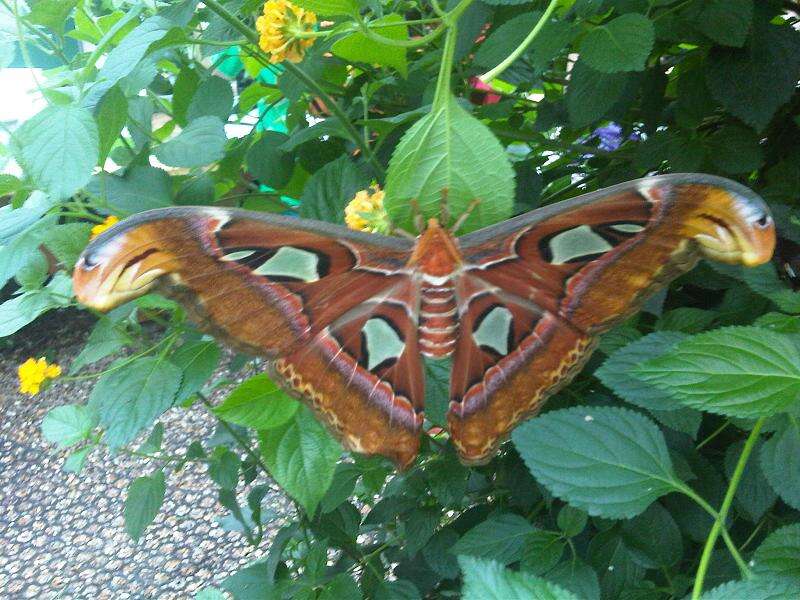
(62, 535)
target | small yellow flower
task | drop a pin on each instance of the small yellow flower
(365, 212)
(33, 373)
(101, 227)
(281, 29)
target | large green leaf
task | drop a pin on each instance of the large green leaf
(257, 403)
(331, 188)
(123, 59)
(58, 148)
(779, 554)
(357, 47)
(607, 461)
(727, 22)
(622, 44)
(68, 425)
(132, 397)
(141, 188)
(653, 538)
(144, 500)
(760, 588)
(591, 94)
(735, 371)
(754, 496)
(214, 98)
(269, 162)
(616, 371)
(197, 361)
(754, 81)
(201, 143)
(112, 114)
(780, 462)
(301, 456)
(440, 155)
(489, 580)
(106, 337)
(500, 538)
(329, 7)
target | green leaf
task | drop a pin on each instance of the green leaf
(68, 425)
(52, 14)
(735, 371)
(269, 162)
(736, 149)
(257, 403)
(144, 500)
(23, 309)
(622, 44)
(610, 462)
(571, 520)
(543, 550)
(67, 241)
(342, 486)
(123, 59)
(75, 461)
(577, 577)
(301, 457)
(357, 47)
(616, 372)
(331, 188)
(500, 538)
(329, 7)
(755, 589)
(591, 94)
(420, 525)
(488, 580)
(780, 462)
(197, 361)
(341, 587)
(753, 82)
(141, 188)
(112, 114)
(213, 98)
(223, 469)
(438, 155)
(437, 553)
(201, 143)
(754, 496)
(106, 337)
(132, 397)
(779, 554)
(653, 538)
(727, 22)
(58, 149)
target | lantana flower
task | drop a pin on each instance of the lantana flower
(101, 227)
(365, 212)
(33, 373)
(283, 28)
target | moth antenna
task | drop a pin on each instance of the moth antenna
(419, 220)
(465, 215)
(403, 233)
(444, 209)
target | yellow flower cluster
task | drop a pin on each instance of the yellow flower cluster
(282, 28)
(365, 212)
(33, 373)
(101, 227)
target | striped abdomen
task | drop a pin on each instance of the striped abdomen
(438, 319)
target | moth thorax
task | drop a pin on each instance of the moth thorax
(438, 318)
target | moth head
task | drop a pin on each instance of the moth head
(734, 226)
(120, 265)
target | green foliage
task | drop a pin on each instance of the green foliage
(682, 430)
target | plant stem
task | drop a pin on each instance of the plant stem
(737, 557)
(332, 105)
(705, 558)
(508, 61)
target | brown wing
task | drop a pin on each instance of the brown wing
(331, 308)
(536, 291)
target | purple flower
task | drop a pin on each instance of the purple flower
(610, 136)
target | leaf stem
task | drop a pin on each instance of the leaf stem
(509, 60)
(442, 93)
(705, 558)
